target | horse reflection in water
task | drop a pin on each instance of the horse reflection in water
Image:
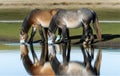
(37, 19)
(39, 67)
(78, 68)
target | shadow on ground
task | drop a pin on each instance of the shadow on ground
(105, 37)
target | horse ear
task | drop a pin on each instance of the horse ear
(53, 11)
(21, 32)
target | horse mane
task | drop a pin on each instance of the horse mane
(25, 27)
(35, 10)
(54, 11)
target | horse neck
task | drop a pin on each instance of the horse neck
(44, 54)
(25, 58)
(31, 68)
(26, 24)
(87, 57)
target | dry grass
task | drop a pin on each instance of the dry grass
(47, 4)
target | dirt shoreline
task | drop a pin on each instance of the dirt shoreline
(106, 44)
(48, 4)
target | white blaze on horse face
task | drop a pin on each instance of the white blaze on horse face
(34, 29)
(22, 40)
(73, 22)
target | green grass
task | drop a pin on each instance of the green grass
(9, 32)
(8, 47)
(13, 14)
(110, 28)
(106, 28)
(108, 14)
(18, 14)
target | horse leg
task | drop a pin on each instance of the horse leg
(64, 45)
(87, 56)
(45, 34)
(83, 34)
(84, 53)
(59, 34)
(65, 34)
(33, 53)
(44, 56)
(55, 64)
(31, 45)
(46, 52)
(46, 45)
(87, 34)
(65, 39)
(58, 46)
(90, 36)
(32, 35)
(92, 51)
(69, 49)
(68, 46)
(41, 33)
(59, 31)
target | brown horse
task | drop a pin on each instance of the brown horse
(37, 19)
(39, 67)
(78, 68)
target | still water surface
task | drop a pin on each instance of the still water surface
(11, 63)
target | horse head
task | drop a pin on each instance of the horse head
(40, 67)
(51, 37)
(23, 37)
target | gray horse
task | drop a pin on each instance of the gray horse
(65, 19)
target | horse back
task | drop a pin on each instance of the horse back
(42, 17)
(70, 18)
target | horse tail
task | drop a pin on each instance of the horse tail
(96, 27)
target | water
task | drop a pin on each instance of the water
(11, 63)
